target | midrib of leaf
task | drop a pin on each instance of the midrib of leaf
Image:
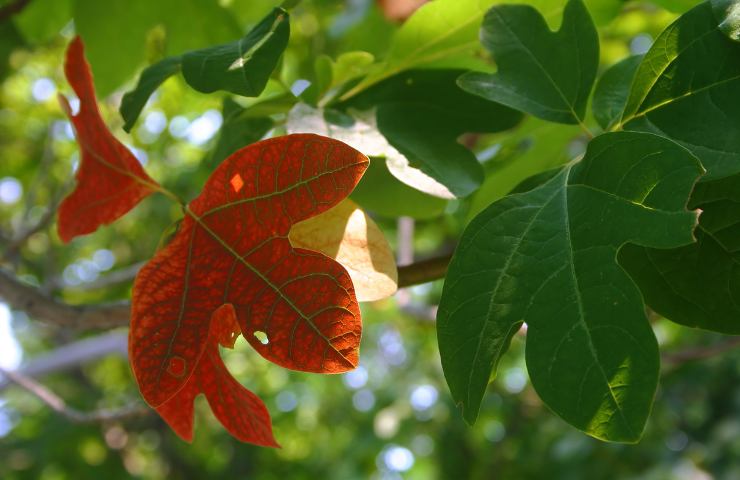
(657, 77)
(410, 59)
(683, 96)
(274, 287)
(581, 314)
(507, 263)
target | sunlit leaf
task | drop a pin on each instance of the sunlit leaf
(547, 257)
(544, 73)
(110, 180)
(349, 236)
(296, 307)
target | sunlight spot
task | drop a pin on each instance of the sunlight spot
(262, 337)
(10, 351)
(103, 259)
(237, 183)
(398, 459)
(10, 190)
(299, 86)
(43, 89)
(204, 127)
(177, 366)
(155, 122)
(363, 400)
(356, 379)
(286, 401)
(515, 380)
(641, 44)
(179, 126)
(423, 397)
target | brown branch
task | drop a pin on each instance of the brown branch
(16, 243)
(71, 355)
(57, 404)
(39, 306)
(44, 308)
(423, 271)
(13, 8)
(700, 353)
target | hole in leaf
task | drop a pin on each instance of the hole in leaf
(262, 337)
(237, 183)
(176, 366)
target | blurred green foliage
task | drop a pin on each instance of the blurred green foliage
(393, 417)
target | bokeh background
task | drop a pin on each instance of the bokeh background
(392, 417)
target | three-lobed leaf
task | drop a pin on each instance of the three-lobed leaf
(547, 257)
(546, 74)
(295, 307)
(110, 180)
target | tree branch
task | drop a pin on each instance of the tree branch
(73, 354)
(700, 353)
(57, 404)
(423, 271)
(42, 307)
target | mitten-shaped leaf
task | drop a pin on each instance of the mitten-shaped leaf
(296, 307)
(110, 181)
(544, 73)
(688, 87)
(547, 257)
(240, 411)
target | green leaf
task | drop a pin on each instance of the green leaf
(612, 90)
(241, 67)
(728, 14)
(150, 79)
(422, 113)
(381, 193)
(687, 88)
(42, 20)
(533, 147)
(540, 72)
(239, 129)
(547, 257)
(10, 39)
(116, 32)
(114, 47)
(438, 31)
(697, 285)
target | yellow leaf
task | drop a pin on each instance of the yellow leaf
(346, 234)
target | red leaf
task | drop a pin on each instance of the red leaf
(233, 249)
(110, 181)
(239, 410)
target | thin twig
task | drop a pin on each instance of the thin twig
(57, 404)
(13, 8)
(73, 354)
(700, 353)
(41, 307)
(122, 275)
